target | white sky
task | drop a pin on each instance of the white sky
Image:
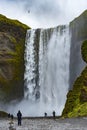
(43, 13)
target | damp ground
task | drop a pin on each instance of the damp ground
(47, 124)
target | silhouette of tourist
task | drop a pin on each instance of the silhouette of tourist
(19, 117)
(12, 117)
(9, 115)
(54, 114)
(45, 114)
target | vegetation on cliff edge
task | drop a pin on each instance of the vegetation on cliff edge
(76, 104)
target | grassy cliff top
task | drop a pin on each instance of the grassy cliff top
(6, 20)
(13, 27)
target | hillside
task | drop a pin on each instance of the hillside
(76, 104)
(12, 44)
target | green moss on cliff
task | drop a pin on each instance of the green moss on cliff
(12, 42)
(76, 104)
(4, 21)
(84, 51)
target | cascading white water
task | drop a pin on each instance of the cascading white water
(30, 65)
(47, 59)
(53, 70)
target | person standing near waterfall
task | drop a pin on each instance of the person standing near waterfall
(19, 117)
(54, 114)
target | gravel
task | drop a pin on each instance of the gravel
(46, 124)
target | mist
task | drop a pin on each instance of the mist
(43, 13)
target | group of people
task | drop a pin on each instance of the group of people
(52, 113)
(19, 117)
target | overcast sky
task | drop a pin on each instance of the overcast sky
(43, 13)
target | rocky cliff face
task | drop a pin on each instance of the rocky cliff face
(12, 44)
(76, 104)
(78, 28)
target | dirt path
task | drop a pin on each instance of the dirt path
(47, 124)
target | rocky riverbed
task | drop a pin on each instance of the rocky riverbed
(46, 124)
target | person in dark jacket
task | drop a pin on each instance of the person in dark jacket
(45, 114)
(19, 117)
(54, 114)
(9, 115)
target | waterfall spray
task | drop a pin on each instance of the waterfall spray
(53, 67)
(47, 59)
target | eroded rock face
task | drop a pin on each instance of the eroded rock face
(76, 104)
(12, 44)
(6, 47)
(78, 28)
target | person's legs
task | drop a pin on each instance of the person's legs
(19, 122)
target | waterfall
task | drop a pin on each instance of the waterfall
(47, 59)
(30, 65)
